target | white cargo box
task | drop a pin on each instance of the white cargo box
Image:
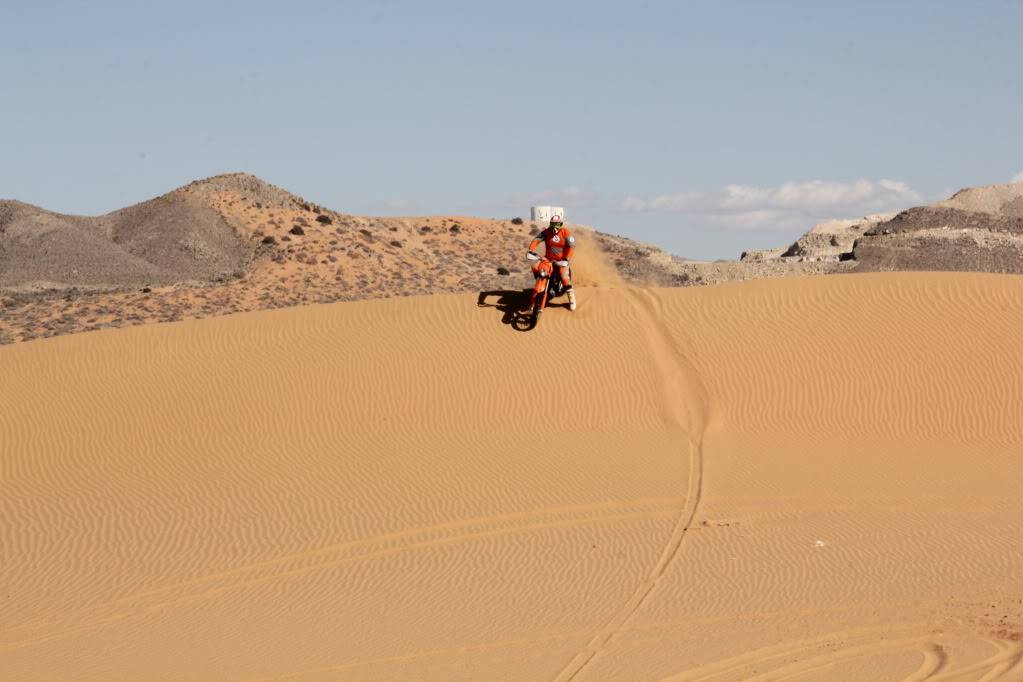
(541, 215)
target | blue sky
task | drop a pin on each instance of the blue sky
(704, 127)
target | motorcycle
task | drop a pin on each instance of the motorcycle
(547, 285)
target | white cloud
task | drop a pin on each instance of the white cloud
(784, 206)
(1018, 177)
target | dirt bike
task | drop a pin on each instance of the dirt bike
(547, 286)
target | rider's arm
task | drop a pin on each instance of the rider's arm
(535, 244)
(569, 247)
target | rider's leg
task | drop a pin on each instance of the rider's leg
(567, 282)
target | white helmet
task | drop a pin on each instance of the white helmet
(556, 221)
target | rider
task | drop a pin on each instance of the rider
(559, 244)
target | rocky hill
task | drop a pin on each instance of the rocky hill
(235, 243)
(171, 239)
(978, 229)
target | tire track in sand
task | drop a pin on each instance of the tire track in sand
(796, 659)
(685, 407)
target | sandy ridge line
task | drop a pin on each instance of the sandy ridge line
(682, 387)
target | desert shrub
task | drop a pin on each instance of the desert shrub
(516, 221)
(297, 229)
(325, 219)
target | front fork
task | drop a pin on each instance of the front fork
(540, 291)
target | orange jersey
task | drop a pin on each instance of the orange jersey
(559, 246)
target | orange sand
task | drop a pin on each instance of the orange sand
(813, 479)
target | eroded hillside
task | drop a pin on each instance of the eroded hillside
(286, 251)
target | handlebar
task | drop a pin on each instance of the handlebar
(534, 257)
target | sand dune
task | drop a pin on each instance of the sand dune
(811, 479)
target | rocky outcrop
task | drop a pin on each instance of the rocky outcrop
(644, 264)
(832, 240)
(977, 229)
